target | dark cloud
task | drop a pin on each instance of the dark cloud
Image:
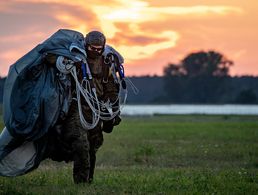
(26, 24)
(18, 17)
(139, 40)
(126, 36)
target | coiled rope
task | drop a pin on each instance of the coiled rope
(100, 110)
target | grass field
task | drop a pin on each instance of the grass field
(161, 155)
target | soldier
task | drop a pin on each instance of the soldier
(69, 140)
(107, 90)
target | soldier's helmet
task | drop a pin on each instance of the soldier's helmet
(95, 38)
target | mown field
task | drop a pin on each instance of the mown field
(161, 155)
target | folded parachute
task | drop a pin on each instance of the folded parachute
(34, 97)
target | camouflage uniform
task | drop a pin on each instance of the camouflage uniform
(69, 141)
(106, 89)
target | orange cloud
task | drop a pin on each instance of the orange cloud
(137, 51)
(130, 39)
(135, 14)
(199, 10)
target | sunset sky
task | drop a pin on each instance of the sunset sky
(149, 34)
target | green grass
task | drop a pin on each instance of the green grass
(193, 154)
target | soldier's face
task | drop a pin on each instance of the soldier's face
(96, 48)
(94, 51)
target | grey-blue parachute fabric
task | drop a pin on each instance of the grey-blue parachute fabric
(32, 90)
(34, 97)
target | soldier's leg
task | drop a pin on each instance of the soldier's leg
(96, 140)
(81, 164)
(76, 136)
(92, 164)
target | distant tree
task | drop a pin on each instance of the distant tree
(173, 70)
(247, 96)
(209, 63)
(198, 78)
(174, 84)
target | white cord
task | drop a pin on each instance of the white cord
(64, 65)
(134, 88)
(89, 94)
(80, 91)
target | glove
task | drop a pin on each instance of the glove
(109, 125)
(117, 120)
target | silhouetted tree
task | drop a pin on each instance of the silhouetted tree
(174, 70)
(209, 63)
(198, 78)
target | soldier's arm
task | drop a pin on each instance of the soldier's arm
(111, 89)
(111, 92)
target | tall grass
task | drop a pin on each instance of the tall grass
(161, 155)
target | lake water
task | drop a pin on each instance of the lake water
(190, 109)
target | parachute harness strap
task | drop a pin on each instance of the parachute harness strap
(86, 89)
(88, 92)
(100, 110)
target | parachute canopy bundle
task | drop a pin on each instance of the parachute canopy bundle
(35, 95)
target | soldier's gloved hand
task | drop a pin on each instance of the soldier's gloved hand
(109, 125)
(117, 120)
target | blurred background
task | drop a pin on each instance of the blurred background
(176, 52)
(196, 69)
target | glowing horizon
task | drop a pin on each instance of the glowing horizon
(149, 34)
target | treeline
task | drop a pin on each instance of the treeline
(179, 90)
(161, 90)
(199, 78)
